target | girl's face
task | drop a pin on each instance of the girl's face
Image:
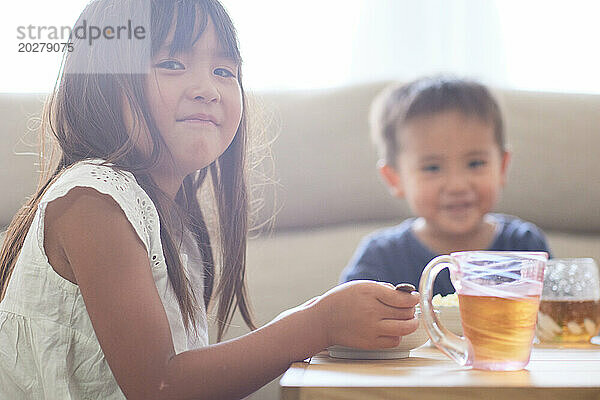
(196, 101)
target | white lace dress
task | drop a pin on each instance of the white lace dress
(48, 348)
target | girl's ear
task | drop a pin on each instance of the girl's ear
(506, 156)
(391, 178)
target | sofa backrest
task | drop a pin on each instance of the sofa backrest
(324, 163)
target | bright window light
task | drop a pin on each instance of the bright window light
(286, 44)
(28, 71)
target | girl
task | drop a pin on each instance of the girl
(107, 272)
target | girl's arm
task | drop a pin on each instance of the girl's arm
(240, 366)
(110, 265)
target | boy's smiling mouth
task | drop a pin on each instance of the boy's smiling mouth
(458, 207)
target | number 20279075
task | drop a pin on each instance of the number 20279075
(45, 47)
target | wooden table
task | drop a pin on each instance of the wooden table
(553, 373)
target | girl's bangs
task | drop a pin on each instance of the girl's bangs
(191, 20)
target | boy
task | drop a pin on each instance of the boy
(441, 147)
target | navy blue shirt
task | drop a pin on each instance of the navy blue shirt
(396, 255)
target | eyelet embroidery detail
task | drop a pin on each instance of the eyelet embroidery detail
(109, 175)
(147, 214)
(156, 259)
(122, 183)
(144, 207)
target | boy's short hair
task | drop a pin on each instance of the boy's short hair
(398, 104)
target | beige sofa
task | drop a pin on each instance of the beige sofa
(328, 194)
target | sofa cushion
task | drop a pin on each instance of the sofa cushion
(324, 162)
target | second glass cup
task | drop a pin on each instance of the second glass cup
(570, 306)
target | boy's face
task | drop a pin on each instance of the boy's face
(450, 169)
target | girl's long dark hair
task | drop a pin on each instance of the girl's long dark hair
(84, 119)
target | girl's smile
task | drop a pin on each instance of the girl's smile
(202, 119)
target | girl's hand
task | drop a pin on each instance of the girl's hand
(365, 314)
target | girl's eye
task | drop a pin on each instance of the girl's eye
(477, 163)
(223, 72)
(171, 65)
(431, 168)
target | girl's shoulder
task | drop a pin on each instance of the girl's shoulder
(120, 185)
(94, 173)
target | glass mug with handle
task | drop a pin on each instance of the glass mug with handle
(499, 296)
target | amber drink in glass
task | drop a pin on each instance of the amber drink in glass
(498, 295)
